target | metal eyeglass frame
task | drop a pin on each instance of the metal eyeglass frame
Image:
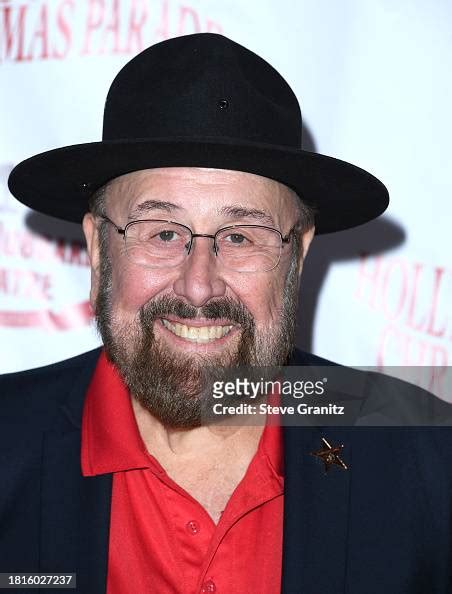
(123, 232)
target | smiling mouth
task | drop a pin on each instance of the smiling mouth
(197, 333)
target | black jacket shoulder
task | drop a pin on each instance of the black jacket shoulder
(31, 396)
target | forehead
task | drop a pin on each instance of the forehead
(199, 191)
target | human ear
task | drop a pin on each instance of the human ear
(304, 242)
(91, 232)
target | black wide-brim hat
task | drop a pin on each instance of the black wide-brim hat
(200, 101)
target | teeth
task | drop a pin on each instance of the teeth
(195, 334)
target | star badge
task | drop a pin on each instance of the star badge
(330, 455)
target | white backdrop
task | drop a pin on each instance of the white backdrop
(373, 79)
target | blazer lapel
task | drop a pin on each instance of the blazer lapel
(75, 515)
(75, 511)
(316, 510)
(94, 534)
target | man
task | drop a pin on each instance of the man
(198, 209)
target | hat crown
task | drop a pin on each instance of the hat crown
(202, 86)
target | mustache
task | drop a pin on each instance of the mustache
(221, 308)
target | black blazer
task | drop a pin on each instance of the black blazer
(382, 527)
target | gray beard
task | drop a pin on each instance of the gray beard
(176, 388)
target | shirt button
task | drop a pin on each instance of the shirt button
(193, 527)
(208, 586)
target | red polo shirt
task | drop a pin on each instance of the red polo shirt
(161, 539)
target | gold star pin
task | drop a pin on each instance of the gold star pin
(330, 455)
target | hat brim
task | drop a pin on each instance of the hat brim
(59, 182)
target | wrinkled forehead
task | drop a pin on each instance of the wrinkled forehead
(200, 192)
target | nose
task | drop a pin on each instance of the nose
(199, 279)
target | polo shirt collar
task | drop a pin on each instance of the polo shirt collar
(111, 441)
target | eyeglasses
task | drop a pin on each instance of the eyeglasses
(163, 244)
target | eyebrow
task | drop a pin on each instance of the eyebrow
(239, 212)
(150, 205)
(247, 213)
